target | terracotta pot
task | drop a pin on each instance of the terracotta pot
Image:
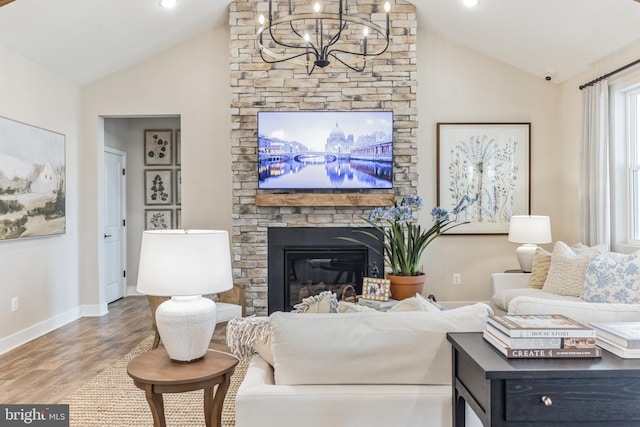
(403, 287)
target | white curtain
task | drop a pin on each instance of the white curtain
(595, 212)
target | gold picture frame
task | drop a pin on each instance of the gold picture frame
(376, 289)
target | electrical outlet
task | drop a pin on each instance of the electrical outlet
(15, 304)
(456, 279)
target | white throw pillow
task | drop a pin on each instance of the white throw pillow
(349, 307)
(608, 280)
(568, 268)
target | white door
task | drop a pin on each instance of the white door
(115, 226)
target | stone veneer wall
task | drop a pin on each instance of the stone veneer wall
(388, 83)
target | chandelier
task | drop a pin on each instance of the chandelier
(316, 37)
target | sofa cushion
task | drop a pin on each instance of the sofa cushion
(613, 281)
(540, 268)
(578, 310)
(368, 348)
(502, 299)
(568, 268)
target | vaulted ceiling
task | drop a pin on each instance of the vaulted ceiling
(84, 40)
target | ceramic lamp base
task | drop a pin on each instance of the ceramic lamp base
(185, 325)
(525, 255)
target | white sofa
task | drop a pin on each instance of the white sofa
(512, 295)
(368, 369)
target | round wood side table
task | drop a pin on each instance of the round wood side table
(155, 373)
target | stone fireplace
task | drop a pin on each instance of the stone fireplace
(304, 261)
(388, 83)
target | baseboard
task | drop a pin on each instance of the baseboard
(94, 310)
(39, 329)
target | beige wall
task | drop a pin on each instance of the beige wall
(43, 271)
(190, 81)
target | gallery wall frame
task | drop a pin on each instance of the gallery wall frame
(483, 174)
(32, 181)
(158, 185)
(158, 219)
(178, 147)
(158, 147)
(178, 186)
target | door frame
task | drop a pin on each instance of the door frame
(123, 204)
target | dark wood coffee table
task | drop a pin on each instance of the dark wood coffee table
(542, 392)
(155, 373)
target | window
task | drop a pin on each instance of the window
(625, 166)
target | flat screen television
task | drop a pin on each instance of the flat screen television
(325, 150)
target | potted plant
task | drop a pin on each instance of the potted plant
(404, 241)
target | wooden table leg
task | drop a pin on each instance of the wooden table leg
(156, 403)
(218, 400)
(208, 407)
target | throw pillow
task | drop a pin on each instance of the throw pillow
(540, 268)
(324, 302)
(568, 268)
(417, 303)
(608, 280)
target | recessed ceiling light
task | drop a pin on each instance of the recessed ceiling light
(168, 4)
(470, 3)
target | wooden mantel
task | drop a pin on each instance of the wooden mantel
(301, 199)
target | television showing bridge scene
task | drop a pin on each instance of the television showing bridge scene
(325, 150)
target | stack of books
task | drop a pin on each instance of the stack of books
(541, 336)
(378, 305)
(619, 338)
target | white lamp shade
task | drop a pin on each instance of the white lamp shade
(184, 262)
(530, 229)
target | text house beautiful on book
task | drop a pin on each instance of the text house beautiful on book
(540, 326)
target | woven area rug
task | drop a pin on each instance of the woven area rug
(111, 400)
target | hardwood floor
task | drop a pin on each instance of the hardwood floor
(48, 368)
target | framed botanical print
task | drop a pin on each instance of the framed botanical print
(178, 147)
(158, 185)
(483, 174)
(179, 219)
(158, 147)
(158, 219)
(178, 187)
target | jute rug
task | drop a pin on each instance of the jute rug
(111, 400)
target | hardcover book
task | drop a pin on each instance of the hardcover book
(537, 353)
(540, 326)
(544, 342)
(625, 334)
(378, 305)
(623, 352)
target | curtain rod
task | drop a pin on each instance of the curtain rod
(605, 76)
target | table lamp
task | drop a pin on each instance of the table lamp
(184, 264)
(529, 230)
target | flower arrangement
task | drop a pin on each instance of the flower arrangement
(403, 239)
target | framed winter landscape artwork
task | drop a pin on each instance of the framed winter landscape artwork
(32, 181)
(158, 147)
(483, 174)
